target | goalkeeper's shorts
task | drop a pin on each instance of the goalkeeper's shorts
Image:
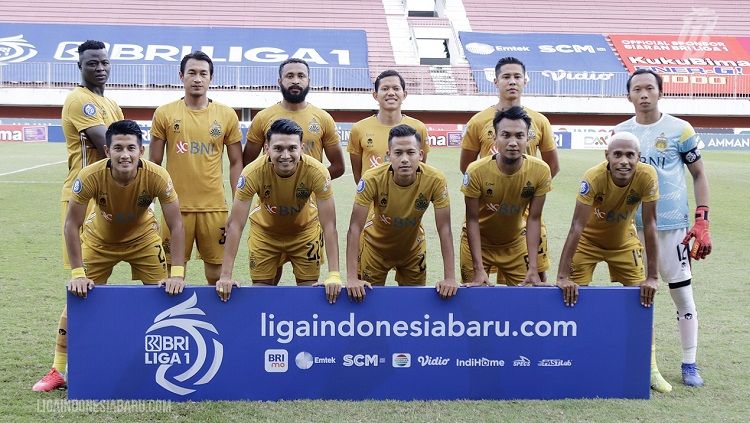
(674, 263)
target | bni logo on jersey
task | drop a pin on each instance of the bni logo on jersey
(176, 344)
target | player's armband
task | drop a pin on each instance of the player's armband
(691, 156)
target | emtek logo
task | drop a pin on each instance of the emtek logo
(277, 361)
(362, 360)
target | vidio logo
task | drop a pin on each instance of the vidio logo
(166, 349)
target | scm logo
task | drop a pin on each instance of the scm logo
(362, 360)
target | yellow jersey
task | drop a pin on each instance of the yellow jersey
(284, 205)
(610, 225)
(122, 214)
(83, 109)
(195, 140)
(479, 134)
(319, 129)
(395, 224)
(369, 139)
(504, 199)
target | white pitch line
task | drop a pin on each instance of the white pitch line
(32, 168)
(31, 182)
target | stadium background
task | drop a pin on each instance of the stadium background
(443, 91)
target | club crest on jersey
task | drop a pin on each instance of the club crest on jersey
(421, 202)
(144, 199)
(241, 182)
(303, 192)
(532, 134)
(383, 200)
(77, 186)
(661, 142)
(89, 109)
(176, 125)
(266, 191)
(369, 142)
(102, 202)
(528, 190)
(314, 127)
(361, 185)
(215, 129)
(585, 188)
(633, 198)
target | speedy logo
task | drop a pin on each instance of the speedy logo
(189, 348)
(16, 49)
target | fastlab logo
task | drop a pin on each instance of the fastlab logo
(16, 49)
(177, 340)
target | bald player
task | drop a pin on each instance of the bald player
(319, 129)
(123, 226)
(368, 140)
(399, 192)
(285, 225)
(602, 228)
(479, 134)
(498, 190)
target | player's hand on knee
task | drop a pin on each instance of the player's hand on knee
(481, 278)
(80, 286)
(569, 291)
(446, 288)
(173, 286)
(356, 289)
(332, 286)
(224, 288)
(648, 291)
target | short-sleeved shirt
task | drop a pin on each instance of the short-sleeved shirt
(610, 225)
(319, 128)
(83, 109)
(395, 225)
(667, 145)
(369, 139)
(195, 141)
(284, 205)
(503, 199)
(122, 214)
(479, 134)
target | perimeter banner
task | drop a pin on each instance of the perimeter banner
(287, 343)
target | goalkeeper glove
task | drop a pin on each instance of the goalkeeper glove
(699, 231)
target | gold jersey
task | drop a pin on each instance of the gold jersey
(504, 199)
(195, 140)
(122, 213)
(319, 129)
(479, 134)
(82, 110)
(395, 224)
(284, 205)
(611, 223)
(369, 139)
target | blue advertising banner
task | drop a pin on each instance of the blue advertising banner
(563, 139)
(557, 64)
(242, 56)
(277, 343)
(724, 142)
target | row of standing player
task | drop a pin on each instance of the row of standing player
(89, 112)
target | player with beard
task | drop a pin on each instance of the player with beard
(499, 190)
(319, 129)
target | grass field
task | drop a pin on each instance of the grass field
(32, 296)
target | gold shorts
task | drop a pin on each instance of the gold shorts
(268, 252)
(542, 260)
(411, 267)
(625, 266)
(206, 229)
(146, 258)
(510, 262)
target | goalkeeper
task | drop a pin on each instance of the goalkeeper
(670, 145)
(293, 220)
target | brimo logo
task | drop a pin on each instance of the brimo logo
(168, 350)
(15, 49)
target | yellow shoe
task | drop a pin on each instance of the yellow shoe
(658, 383)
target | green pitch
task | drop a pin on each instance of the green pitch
(32, 296)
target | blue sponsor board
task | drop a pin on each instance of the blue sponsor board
(724, 142)
(557, 64)
(242, 56)
(401, 343)
(563, 139)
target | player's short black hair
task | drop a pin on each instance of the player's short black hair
(90, 45)
(284, 127)
(403, 130)
(293, 60)
(514, 113)
(508, 61)
(197, 55)
(387, 73)
(124, 127)
(659, 80)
